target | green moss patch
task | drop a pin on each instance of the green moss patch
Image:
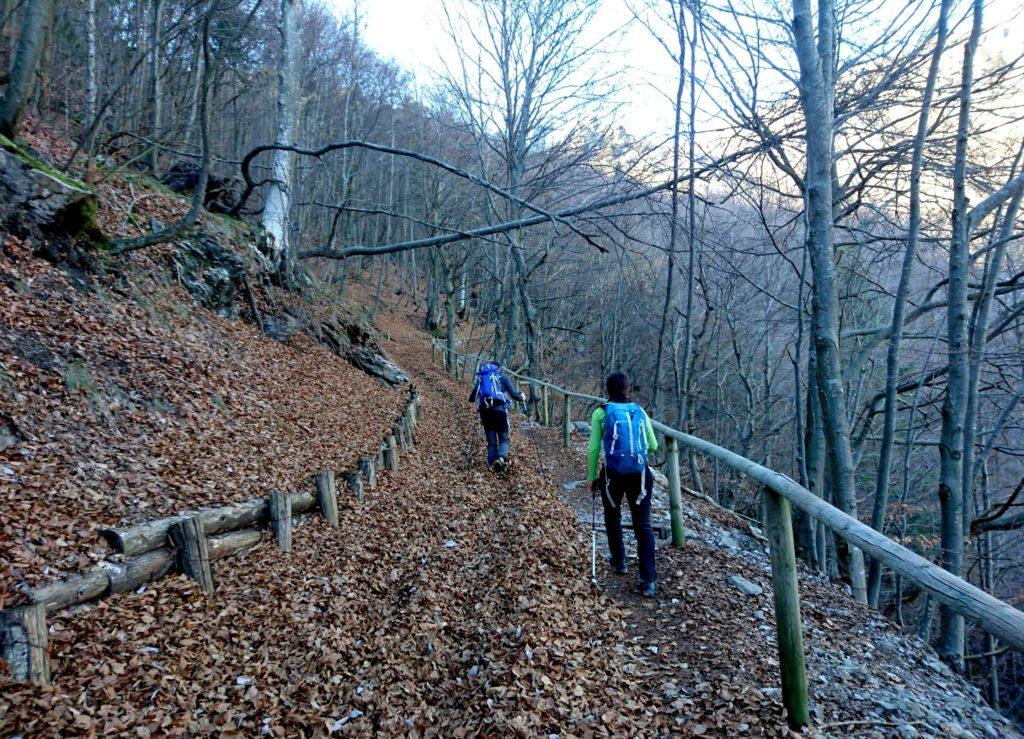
(23, 156)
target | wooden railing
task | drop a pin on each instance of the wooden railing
(190, 543)
(781, 493)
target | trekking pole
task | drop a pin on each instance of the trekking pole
(593, 537)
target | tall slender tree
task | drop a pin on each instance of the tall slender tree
(276, 211)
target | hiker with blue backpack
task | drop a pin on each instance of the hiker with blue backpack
(494, 393)
(623, 432)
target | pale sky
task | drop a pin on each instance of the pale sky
(412, 33)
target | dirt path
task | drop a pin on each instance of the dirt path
(448, 603)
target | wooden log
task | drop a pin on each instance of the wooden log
(193, 551)
(111, 578)
(145, 537)
(391, 455)
(234, 542)
(302, 502)
(368, 468)
(407, 430)
(137, 571)
(327, 496)
(77, 589)
(779, 528)
(998, 618)
(280, 509)
(381, 456)
(396, 432)
(354, 483)
(675, 498)
(25, 638)
(566, 421)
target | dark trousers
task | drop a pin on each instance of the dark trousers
(615, 487)
(495, 423)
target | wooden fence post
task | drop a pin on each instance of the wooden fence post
(545, 419)
(354, 483)
(193, 552)
(433, 352)
(368, 468)
(391, 455)
(779, 528)
(566, 422)
(675, 493)
(327, 495)
(25, 637)
(280, 507)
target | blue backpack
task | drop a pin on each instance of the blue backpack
(488, 387)
(625, 437)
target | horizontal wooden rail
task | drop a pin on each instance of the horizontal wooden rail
(998, 618)
(148, 551)
(993, 615)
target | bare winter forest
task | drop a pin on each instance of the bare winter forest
(798, 226)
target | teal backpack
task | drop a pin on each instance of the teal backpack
(625, 438)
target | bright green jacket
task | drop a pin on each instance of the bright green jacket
(597, 438)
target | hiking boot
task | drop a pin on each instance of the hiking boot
(621, 570)
(499, 465)
(647, 589)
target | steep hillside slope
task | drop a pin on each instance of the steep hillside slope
(122, 400)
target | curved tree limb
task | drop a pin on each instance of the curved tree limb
(250, 185)
(497, 228)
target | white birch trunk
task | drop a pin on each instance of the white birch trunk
(90, 62)
(275, 211)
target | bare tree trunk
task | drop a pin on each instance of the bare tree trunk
(278, 204)
(194, 98)
(951, 438)
(814, 59)
(680, 21)
(36, 18)
(449, 312)
(881, 501)
(691, 234)
(90, 62)
(188, 220)
(978, 333)
(430, 321)
(156, 12)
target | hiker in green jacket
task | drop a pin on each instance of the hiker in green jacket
(623, 432)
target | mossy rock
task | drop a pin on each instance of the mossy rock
(56, 203)
(26, 158)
